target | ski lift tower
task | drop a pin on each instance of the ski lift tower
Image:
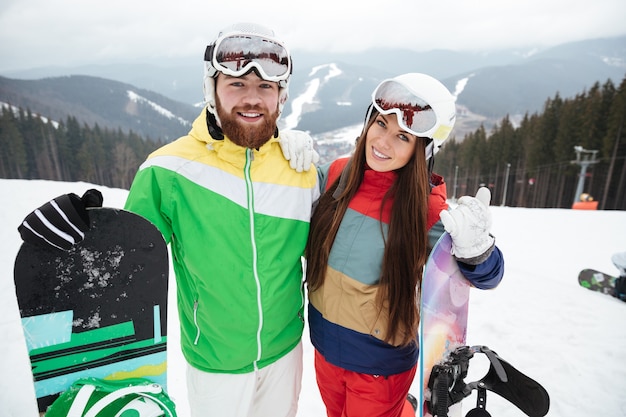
(584, 158)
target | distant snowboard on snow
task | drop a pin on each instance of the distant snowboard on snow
(599, 281)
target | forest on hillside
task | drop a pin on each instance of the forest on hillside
(33, 148)
(542, 162)
(538, 163)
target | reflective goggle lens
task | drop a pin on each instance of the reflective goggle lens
(236, 55)
(415, 115)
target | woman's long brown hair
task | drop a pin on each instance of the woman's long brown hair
(406, 245)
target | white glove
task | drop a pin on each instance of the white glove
(469, 225)
(297, 147)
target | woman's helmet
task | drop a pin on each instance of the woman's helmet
(423, 105)
(242, 48)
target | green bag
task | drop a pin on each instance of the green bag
(93, 397)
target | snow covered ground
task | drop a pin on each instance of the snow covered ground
(569, 339)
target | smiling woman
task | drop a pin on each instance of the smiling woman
(368, 246)
(388, 146)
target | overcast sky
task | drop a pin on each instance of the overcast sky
(36, 33)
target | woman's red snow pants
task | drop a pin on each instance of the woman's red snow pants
(351, 394)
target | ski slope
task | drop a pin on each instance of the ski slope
(569, 339)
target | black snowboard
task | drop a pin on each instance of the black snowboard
(98, 310)
(597, 281)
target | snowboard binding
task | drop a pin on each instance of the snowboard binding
(448, 387)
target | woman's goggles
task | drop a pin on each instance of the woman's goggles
(414, 114)
(236, 55)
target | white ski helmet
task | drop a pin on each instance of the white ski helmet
(423, 105)
(241, 48)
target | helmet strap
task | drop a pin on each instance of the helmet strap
(214, 130)
(431, 166)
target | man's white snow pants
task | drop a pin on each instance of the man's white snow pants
(271, 391)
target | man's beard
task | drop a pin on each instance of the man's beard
(248, 136)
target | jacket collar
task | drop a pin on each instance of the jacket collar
(204, 129)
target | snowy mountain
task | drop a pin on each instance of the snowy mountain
(93, 100)
(327, 91)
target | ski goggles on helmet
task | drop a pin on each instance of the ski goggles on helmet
(414, 114)
(237, 54)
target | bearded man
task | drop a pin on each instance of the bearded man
(234, 200)
(236, 213)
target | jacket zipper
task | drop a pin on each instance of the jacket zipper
(302, 291)
(195, 321)
(250, 195)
